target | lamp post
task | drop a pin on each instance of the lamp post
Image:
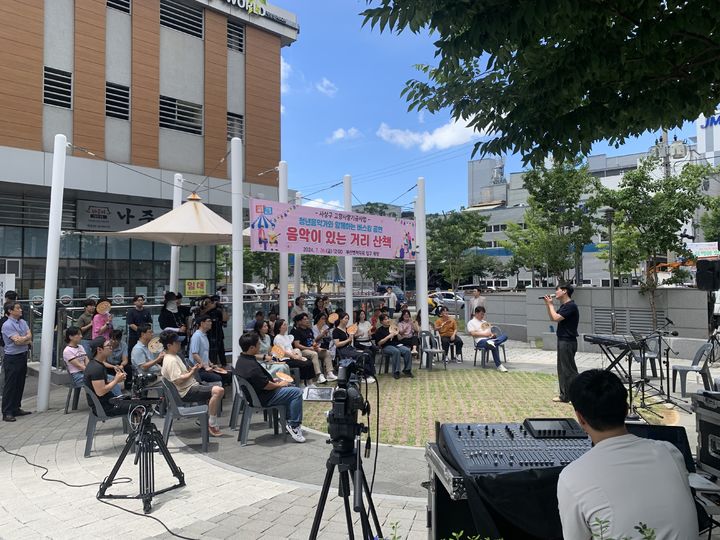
(609, 216)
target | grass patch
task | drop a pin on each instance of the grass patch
(409, 408)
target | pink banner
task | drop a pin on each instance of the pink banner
(288, 228)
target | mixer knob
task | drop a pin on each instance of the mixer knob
(468, 427)
(496, 463)
(493, 431)
(501, 455)
(456, 427)
(512, 457)
(472, 433)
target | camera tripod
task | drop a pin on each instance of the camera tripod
(147, 440)
(348, 460)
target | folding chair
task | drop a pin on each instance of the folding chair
(252, 405)
(430, 349)
(177, 408)
(98, 416)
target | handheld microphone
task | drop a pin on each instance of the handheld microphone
(543, 298)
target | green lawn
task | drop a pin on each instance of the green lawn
(410, 407)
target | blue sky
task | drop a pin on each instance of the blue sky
(343, 114)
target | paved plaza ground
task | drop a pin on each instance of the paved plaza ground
(267, 489)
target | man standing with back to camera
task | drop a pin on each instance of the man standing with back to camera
(567, 316)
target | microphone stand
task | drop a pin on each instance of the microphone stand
(668, 398)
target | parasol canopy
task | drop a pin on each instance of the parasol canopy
(192, 223)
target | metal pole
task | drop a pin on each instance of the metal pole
(283, 198)
(175, 250)
(347, 184)
(297, 276)
(421, 278)
(51, 270)
(236, 177)
(609, 214)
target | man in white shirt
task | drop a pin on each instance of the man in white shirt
(392, 301)
(482, 333)
(623, 480)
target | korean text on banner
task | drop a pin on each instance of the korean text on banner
(289, 228)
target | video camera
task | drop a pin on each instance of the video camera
(140, 383)
(347, 401)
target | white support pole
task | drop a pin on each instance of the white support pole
(347, 184)
(236, 177)
(175, 250)
(51, 271)
(297, 276)
(421, 256)
(283, 198)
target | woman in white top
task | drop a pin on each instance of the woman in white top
(408, 331)
(321, 333)
(266, 360)
(293, 357)
(363, 336)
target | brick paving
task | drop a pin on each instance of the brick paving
(232, 492)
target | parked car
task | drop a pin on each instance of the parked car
(453, 301)
(381, 289)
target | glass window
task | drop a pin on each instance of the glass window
(92, 274)
(204, 270)
(92, 247)
(35, 244)
(70, 246)
(141, 250)
(69, 274)
(10, 241)
(118, 248)
(161, 271)
(205, 253)
(141, 274)
(187, 253)
(162, 252)
(117, 275)
(187, 270)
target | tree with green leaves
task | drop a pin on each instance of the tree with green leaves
(552, 77)
(449, 238)
(315, 270)
(710, 221)
(376, 270)
(261, 264)
(649, 213)
(474, 263)
(558, 222)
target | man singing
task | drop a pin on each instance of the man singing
(567, 316)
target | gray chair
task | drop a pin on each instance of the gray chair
(700, 364)
(429, 349)
(74, 393)
(238, 403)
(98, 416)
(384, 361)
(177, 408)
(253, 405)
(485, 353)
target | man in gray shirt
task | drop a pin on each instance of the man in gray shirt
(142, 359)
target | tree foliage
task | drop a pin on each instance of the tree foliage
(650, 212)
(710, 221)
(449, 237)
(558, 222)
(263, 265)
(376, 270)
(315, 270)
(552, 77)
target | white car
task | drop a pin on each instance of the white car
(453, 301)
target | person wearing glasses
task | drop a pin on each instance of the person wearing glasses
(95, 375)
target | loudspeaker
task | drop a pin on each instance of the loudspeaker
(708, 275)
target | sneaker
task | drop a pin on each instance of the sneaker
(321, 379)
(215, 431)
(408, 374)
(396, 375)
(370, 380)
(295, 433)
(502, 369)
(558, 399)
(490, 343)
(331, 376)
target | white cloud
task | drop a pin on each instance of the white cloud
(326, 87)
(341, 133)
(321, 203)
(421, 117)
(282, 109)
(285, 71)
(454, 133)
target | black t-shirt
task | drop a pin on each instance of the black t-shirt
(304, 336)
(340, 334)
(95, 371)
(381, 333)
(137, 317)
(567, 329)
(248, 368)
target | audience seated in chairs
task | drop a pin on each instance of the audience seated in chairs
(190, 390)
(408, 331)
(344, 346)
(250, 325)
(143, 360)
(96, 378)
(484, 337)
(386, 338)
(119, 355)
(200, 353)
(363, 335)
(304, 340)
(264, 357)
(270, 391)
(74, 355)
(322, 334)
(293, 358)
(447, 328)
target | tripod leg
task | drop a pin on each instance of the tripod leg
(371, 505)
(121, 458)
(345, 494)
(321, 503)
(158, 439)
(147, 471)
